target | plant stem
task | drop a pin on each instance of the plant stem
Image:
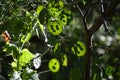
(88, 57)
(88, 46)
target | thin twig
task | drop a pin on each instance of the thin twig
(43, 53)
(89, 7)
(103, 16)
(83, 17)
(108, 12)
(44, 72)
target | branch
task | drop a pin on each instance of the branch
(99, 22)
(92, 30)
(103, 16)
(83, 17)
(81, 14)
(89, 6)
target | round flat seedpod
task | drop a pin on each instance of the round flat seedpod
(68, 15)
(63, 19)
(79, 49)
(54, 65)
(54, 12)
(110, 70)
(54, 27)
(57, 45)
(64, 60)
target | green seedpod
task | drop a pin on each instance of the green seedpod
(54, 12)
(110, 70)
(68, 14)
(54, 8)
(54, 65)
(57, 45)
(63, 19)
(64, 60)
(54, 27)
(57, 4)
(79, 49)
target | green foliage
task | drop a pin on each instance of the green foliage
(24, 58)
(75, 74)
(59, 50)
(56, 17)
(39, 9)
(26, 38)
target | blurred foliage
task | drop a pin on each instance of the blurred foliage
(47, 40)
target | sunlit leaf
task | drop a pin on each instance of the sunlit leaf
(14, 66)
(59, 4)
(24, 58)
(28, 37)
(39, 9)
(37, 60)
(41, 26)
(16, 76)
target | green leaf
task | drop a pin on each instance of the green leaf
(24, 58)
(94, 77)
(84, 2)
(39, 9)
(28, 37)
(14, 66)
(41, 26)
(37, 61)
(11, 49)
